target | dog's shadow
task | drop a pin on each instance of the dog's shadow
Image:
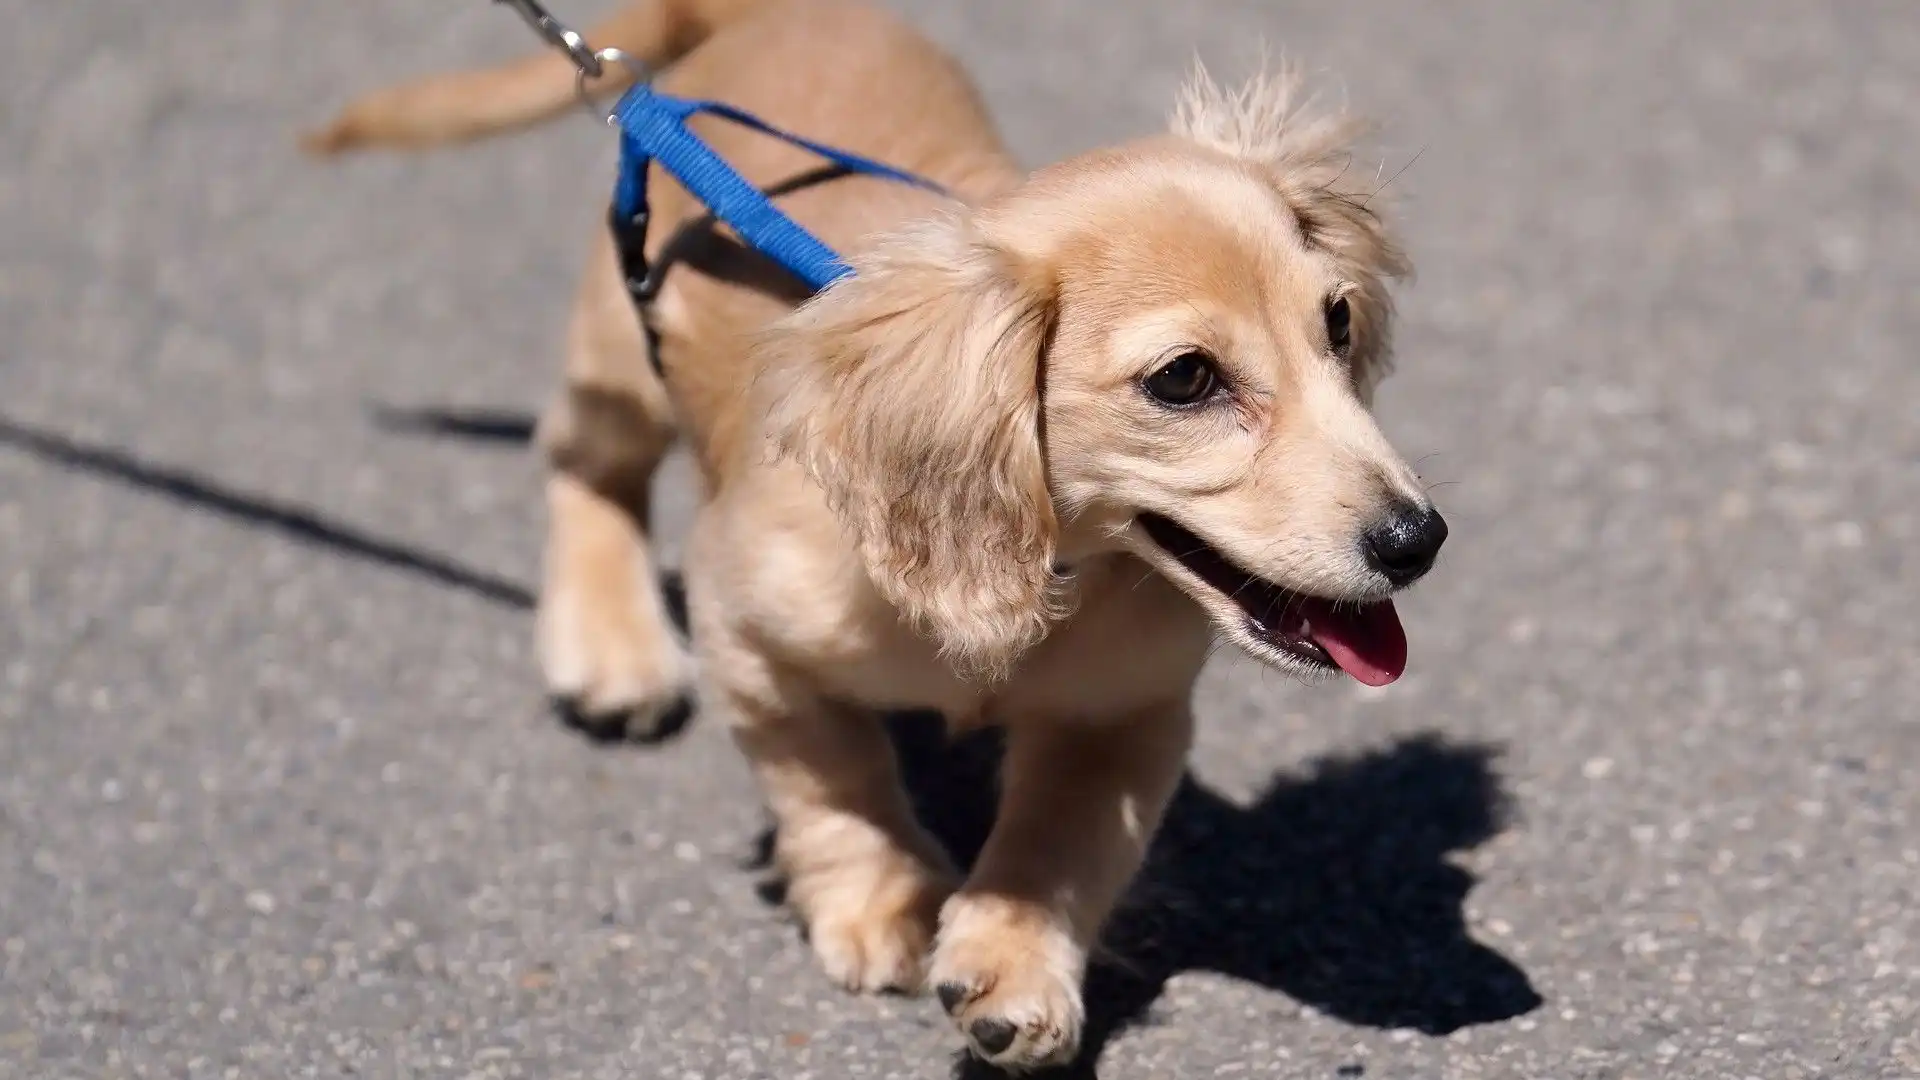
(1332, 887)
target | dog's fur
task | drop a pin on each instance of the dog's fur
(922, 486)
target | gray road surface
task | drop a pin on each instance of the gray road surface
(279, 796)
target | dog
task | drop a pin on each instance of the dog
(1057, 435)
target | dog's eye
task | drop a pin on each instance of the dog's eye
(1339, 324)
(1185, 379)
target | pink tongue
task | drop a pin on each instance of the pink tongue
(1368, 644)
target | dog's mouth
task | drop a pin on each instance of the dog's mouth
(1367, 642)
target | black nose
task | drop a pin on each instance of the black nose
(1404, 544)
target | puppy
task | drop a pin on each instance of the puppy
(1052, 438)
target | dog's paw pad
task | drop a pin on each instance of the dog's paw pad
(1009, 976)
(952, 995)
(641, 719)
(992, 1035)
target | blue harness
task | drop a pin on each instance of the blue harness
(653, 128)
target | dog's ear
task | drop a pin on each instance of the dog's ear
(1309, 154)
(911, 392)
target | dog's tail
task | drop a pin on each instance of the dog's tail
(461, 106)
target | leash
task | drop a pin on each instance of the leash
(653, 128)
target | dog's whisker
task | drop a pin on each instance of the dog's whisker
(1348, 164)
(1397, 174)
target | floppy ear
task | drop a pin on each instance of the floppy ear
(1309, 156)
(911, 392)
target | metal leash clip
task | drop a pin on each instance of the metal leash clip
(589, 63)
(560, 36)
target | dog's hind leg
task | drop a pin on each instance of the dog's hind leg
(607, 643)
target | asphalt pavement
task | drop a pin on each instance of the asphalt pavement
(280, 796)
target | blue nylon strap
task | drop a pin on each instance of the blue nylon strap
(653, 127)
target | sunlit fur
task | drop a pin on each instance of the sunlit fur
(921, 488)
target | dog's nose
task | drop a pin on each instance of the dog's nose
(1404, 544)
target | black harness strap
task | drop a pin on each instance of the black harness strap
(695, 242)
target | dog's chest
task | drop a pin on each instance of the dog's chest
(1132, 644)
(899, 670)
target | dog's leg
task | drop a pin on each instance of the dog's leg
(861, 872)
(1078, 807)
(606, 641)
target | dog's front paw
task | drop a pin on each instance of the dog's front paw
(611, 663)
(871, 921)
(1009, 973)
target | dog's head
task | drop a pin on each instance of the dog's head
(1167, 348)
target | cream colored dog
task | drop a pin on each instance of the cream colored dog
(1023, 467)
